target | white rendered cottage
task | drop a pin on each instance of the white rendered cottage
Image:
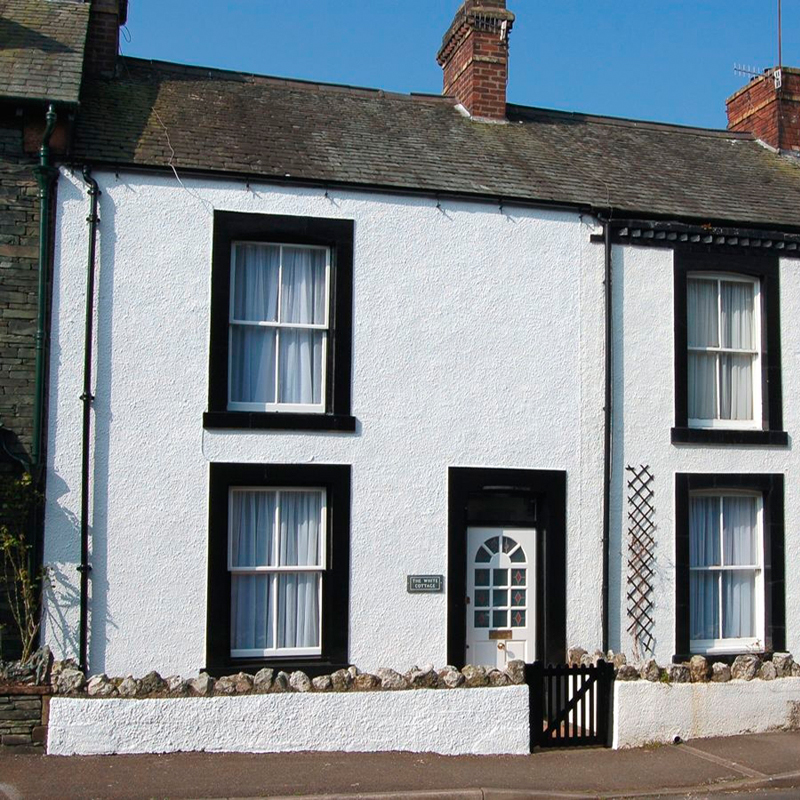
(349, 345)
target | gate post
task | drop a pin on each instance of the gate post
(534, 676)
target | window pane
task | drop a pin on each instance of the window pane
(500, 597)
(493, 544)
(704, 605)
(483, 557)
(500, 577)
(251, 627)
(255, 291)
(300, 366)
(518, 619)
(298, 610)
(301, 529)
(303, 287)
(499, 619)
(737, 315)
(702, 386)
(481, 577)
(518, 597)
(702, 313)
(482, 598)
(739, 530)
(704, 531)
(518, 556)
(252, 365)
(739, 607)
(508, 544)
(518, 577)
(736, 387)
(252, 528)
(481, 619)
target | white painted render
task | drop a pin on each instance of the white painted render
(457, 722)
(647, 712)
(644, 413)
(478, 341)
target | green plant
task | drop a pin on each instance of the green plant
(18, 498)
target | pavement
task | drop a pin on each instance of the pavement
(758, 766)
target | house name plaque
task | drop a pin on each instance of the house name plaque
(424, 584)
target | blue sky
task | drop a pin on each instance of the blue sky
(666, 61)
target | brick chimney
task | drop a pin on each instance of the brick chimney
(769, 108)
(474, 57)
(102, 38)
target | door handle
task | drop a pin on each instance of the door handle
(501, 645)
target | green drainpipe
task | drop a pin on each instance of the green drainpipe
(45, 174)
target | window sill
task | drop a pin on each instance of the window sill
(723, 658)
(728, 436)
(244, 420)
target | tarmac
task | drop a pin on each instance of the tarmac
(761, 765)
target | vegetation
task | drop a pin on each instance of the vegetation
(18, 498)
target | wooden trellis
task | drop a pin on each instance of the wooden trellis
(641, 558)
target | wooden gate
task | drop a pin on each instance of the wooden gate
(570, 706)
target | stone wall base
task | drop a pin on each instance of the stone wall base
(24, 715)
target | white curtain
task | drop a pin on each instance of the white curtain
(262, 273)
(704, 551)
(736, 371)
(255, 298)
(252, 532)
(303, 302)
(720, 315)
(298, 593)
(740, 548)
(702, 315)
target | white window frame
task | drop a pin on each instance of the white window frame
(737, 424)
(304, 408)
(277, 570)
(746, 644)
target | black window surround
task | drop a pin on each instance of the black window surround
(771, 488)
(335, 479)
(336, 234)
(766, 269)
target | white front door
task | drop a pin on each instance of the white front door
(501, 595)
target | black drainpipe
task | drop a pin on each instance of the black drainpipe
(45, 174)
(87, 398)
(607, 422)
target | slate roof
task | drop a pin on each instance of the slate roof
(155, 113)
(41, 49)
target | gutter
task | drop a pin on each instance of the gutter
(45, 174)
(86, 398)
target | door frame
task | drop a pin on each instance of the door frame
(550, 489)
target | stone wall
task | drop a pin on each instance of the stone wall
(19, 249)
(23, 715)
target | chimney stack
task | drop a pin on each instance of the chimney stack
(769, 108)
(102, 38)
(474, 57)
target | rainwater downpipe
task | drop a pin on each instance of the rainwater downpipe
(45, 174)
(87, 398)
(607, 424)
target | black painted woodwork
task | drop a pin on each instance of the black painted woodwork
(771, 488)
(335, 580)
(336, 234)
(548, 488)
(766, 269)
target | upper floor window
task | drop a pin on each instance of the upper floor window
(727, 348)
(278, 327)
(281, 323)
(724, 335)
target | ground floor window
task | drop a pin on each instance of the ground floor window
(729, 564)
(279, 543)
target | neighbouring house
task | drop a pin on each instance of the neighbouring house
(384, 380)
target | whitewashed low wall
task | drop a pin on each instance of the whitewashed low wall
(455, 722)
(656, 712)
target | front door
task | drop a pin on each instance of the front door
(501, 595)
